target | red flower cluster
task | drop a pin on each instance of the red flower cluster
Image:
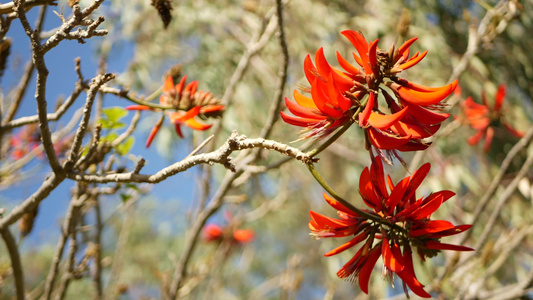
(188, 102)
(338, 96)
(482, 119)
(213, 232)
(25, 141)
(401, 221)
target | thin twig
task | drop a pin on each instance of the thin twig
(16, 264)
(97, 258)
(40, 93)
(98, 81)
(68, 227)
(78, 88)
(482, 204)
(121, 246)
(273, 113)
(509, 190)
(201, 146)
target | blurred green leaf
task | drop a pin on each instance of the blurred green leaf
(125, 147)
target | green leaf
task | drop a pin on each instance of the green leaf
(115, 113)
(125, 147)
(132, 186)
(125, 197)
(111, 117)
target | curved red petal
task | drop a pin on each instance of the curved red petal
(416, 132)
(322, 65)
(168, 85)
(211, 108)
(433, 226)
(384, 122)
(359, 42)
(476, 137)
(138, 107)
(365, 114)
(488, 139)
(338, 206)
(385, 141)
(346, 65)
(442, 246)
(425, 116)
(194, 124)
(368, 266)
(301, 111)
(413, 61)
(367, 191)
(356, 240)
(297, 121)
(416, 97)
(500, 96)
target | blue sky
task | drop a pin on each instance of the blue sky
(60, 62)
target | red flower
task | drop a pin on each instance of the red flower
(482, 119)
(328, 108)
(414, 115)
(401, 221)
(337, 95)
(213, 232)
(188, 102)
(23, 142)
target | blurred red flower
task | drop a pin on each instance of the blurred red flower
(213, 232)
(401, 221)
(484, 120)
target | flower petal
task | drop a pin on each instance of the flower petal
(384, 122)
(442, 246)
(356, 240)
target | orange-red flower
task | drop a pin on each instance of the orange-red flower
(483, 119)
(336, 95)
(188, 103)
(328, 108)
(401, 221)
(213, 232)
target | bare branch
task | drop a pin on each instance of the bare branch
(78, 18)
(40, 93)
(98, 81)
(68, 226)
(221, 156)
(48, 185)
(9, 7)
(16, 265)
(509, 190)
(273, 113)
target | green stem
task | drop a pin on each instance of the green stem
(348, 205)
(147, 101)
(337, 134)
(332, 139)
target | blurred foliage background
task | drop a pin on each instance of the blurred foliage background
(208, 38)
